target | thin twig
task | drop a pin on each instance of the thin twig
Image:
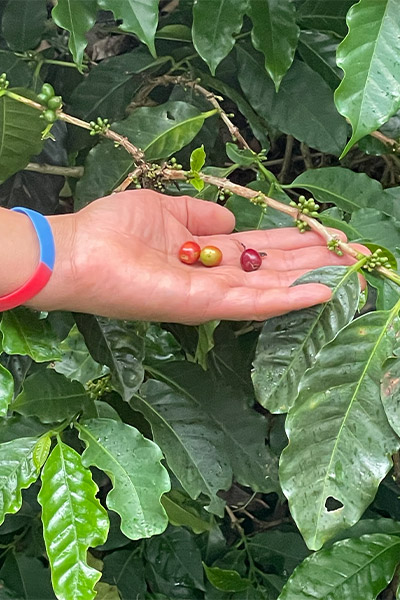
(384, 138)
(286, 159)
(55, 170)
(306, 154)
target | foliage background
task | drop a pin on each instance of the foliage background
(158, 445)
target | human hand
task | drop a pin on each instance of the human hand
(118, 257)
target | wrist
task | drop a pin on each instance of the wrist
(63, 283)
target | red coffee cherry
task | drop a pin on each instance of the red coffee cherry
(250, 260)
(210, 256)
(189, 253)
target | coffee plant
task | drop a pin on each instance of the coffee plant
(232, 460)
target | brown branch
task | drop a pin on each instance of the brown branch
(383, 138)
(286, 159)
(55, 170)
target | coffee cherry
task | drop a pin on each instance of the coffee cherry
(210, 256)
(49, 116)
(54, 102)
(250, 260)
(189, 253)
(47, 91)
(42, 98)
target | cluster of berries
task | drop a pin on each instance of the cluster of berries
(4, 83)
(377, 260)
(211, 256)
(48, 98)
(99, 126)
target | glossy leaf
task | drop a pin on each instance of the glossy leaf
(284, 549)
(214, 27)
(346, 189)
(369, 56)
(205, 342)
(17, 472)
(108, 89)
(354, 568)
(6, 390)
(17, 426)
(339, 438)
(41, 451)
(288, 345)
(318, 50)
(160, 131)
(182, 511)
(390, 391)
(133, 464)
(226, 580)
(24, 332)
(120, 346)
(18, 72)
(76, 362)
(303, 97)
(73, 520)
(371, 224)
(244, 158)
(197, 159)
(197, 425)
(51, 397)
(275, 34)
(23, 24)
(138, 16)
(320, 15)
(20, 135)
(78, 18)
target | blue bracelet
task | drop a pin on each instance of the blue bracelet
(46, 262)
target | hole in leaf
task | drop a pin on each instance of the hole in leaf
(170, 116)
(333, 504)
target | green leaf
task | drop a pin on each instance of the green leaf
(288, 345)
(20, 135)
(197, 183)
(318, 50)
(23, 24)
(18, 72)
(206, 430)
(159, 131)
(390, 393)
(244, 158)
(339, 437)
(197, 159)
(354, 568)
(125, 569)
(17, 472)
(120, 346)
(76, 17)
(346, 189)
(105, 591)
(248, 216)
(138, 17)
(6, 390)
(214, 27)
(206, 342)
(372, 225)
(76, 362)
(175, 32)
(275, 34)
(24, 332)
(51, 397)
(303, 97)
(182, 511)
(226, 580)
(179, 566)
(369, 56)
(284, 549)
(41, 451)
(107, 90)
(133, 464)
(320, 15)
(17, 426)
(27, 577)
(73, 520)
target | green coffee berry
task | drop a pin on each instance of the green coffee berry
(47, 90)
(49, 115)
(54, 102)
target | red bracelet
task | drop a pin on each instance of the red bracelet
(45, 267)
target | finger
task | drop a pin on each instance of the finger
(250, 304)
(199, 216)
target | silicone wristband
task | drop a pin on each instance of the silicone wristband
(46, 262)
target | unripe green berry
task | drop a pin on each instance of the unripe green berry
(54, 102)
(42, 99)
(47, 90)
(49, 116)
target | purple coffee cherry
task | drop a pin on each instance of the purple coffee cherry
(250, 260)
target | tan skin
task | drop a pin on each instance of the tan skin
(118, 257)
